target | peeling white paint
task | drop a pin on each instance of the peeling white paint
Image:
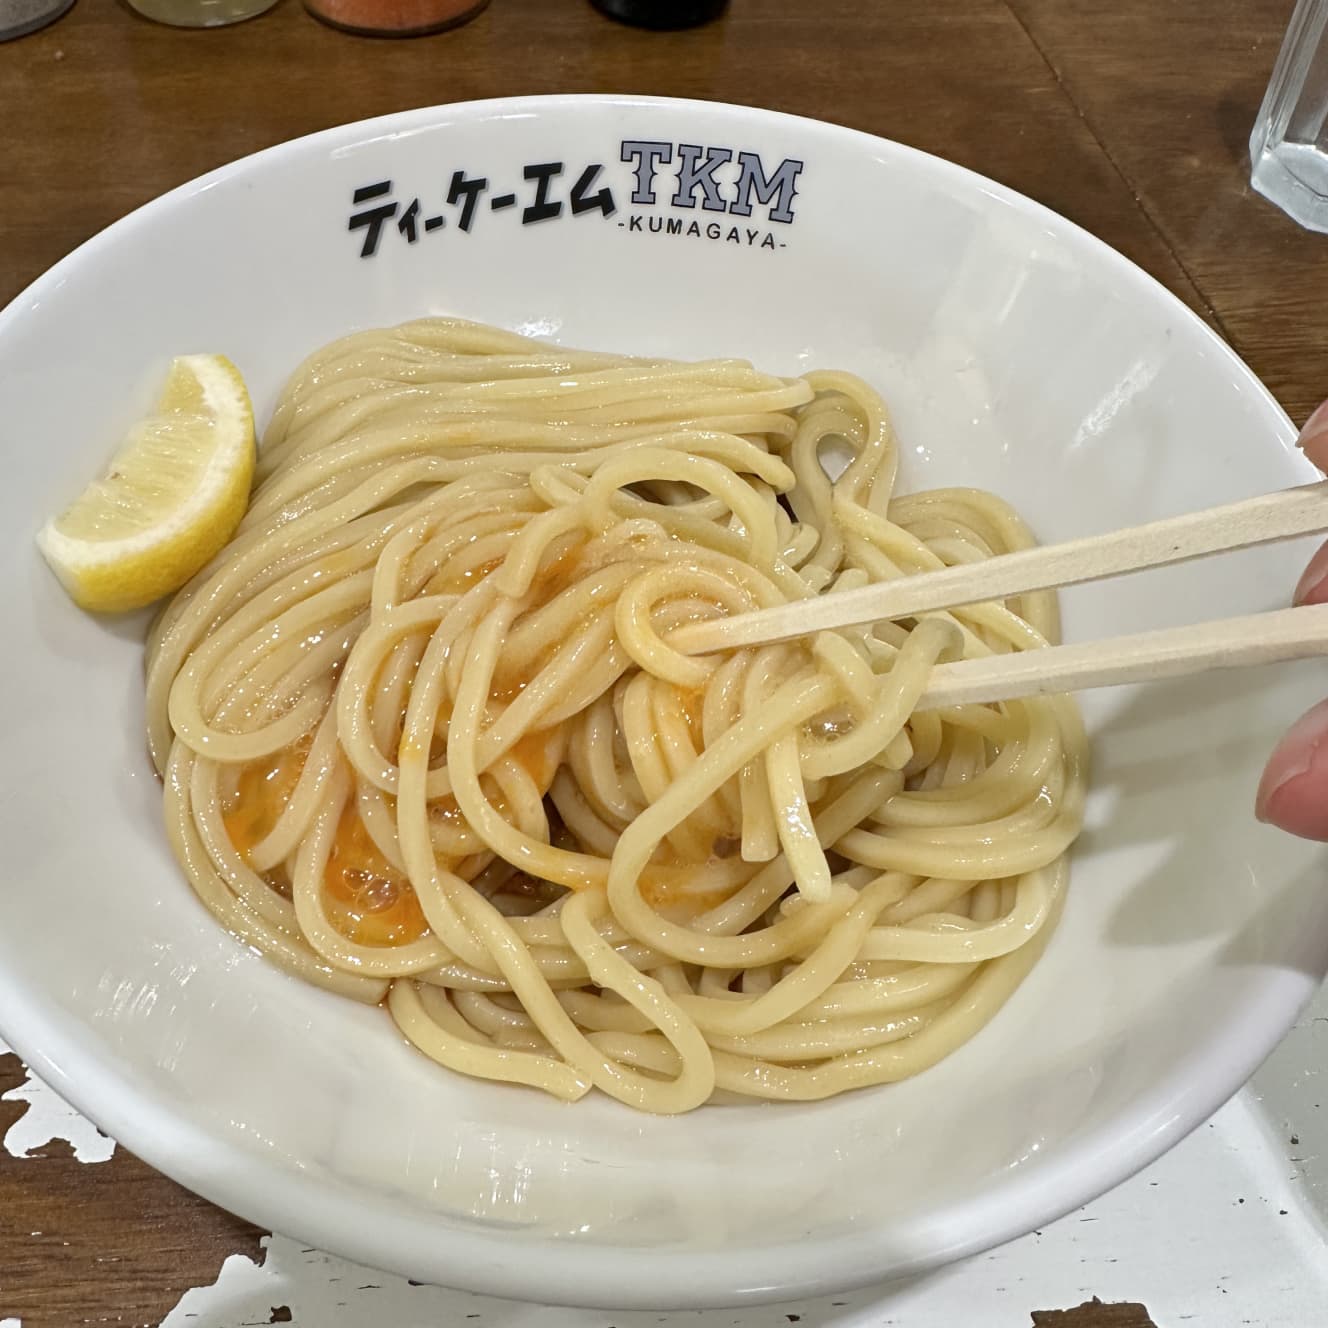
(46, 1119)
(9, 1323)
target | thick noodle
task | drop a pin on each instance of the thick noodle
(425, 741)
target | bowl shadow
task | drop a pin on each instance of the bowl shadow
(1163, 764)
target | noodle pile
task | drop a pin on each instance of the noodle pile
(424, 739)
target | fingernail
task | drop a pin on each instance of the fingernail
(1294, 757)
(1316, 427)
(1312, 588)
(1268, 791)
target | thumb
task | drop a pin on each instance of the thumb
(1313, 440)
(1293, 793)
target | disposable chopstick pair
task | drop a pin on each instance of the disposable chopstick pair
(1261, 638)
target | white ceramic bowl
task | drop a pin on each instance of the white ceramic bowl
(1018, 354)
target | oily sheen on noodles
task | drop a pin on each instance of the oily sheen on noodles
(424, 738)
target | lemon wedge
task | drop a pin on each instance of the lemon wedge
(172, 496)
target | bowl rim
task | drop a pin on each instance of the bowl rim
(63, 1051)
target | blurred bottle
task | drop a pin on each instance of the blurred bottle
(394, 18)
(200, 13)
(662, 14)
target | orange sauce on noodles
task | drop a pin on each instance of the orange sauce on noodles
(366, 898)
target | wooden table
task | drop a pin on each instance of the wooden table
(1130, 118)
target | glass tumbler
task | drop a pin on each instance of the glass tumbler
(1289, 145)
(200, 13)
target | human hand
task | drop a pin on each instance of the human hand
(1293, 793)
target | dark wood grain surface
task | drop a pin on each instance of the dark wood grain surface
(1130, 118)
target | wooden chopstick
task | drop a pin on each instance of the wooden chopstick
(1262, 520)
(1172, 652)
